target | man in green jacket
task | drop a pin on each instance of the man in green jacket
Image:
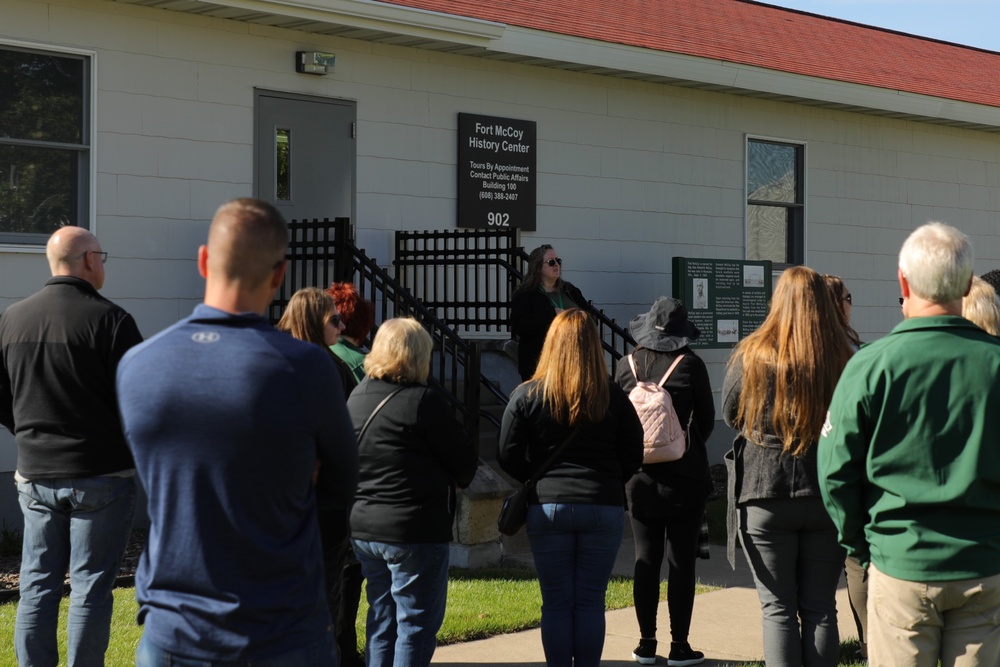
(909, 466)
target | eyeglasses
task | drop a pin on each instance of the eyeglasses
(554, 261)
(848, 299)
(901, 301)
(104, 255)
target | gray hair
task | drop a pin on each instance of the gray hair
(936, 260)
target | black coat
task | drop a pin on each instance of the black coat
(531, 313)
(411, 458)
(658, 489)
(592, 468)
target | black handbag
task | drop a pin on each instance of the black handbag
(514, 511)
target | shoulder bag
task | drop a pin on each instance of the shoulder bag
(514, 511)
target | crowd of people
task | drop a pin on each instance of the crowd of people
(284, 465)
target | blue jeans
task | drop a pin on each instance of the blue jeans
(574, 547)
(81, 525)
(407, 592)
(322, 653)
(791, 545)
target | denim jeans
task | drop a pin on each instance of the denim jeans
(791, 545)
(322, 653)
(407, 592)
(81, 525)
(574, 547)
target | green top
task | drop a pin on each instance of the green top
(351, 355)
(909, 459)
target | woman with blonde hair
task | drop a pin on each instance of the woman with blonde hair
(413, 453)
(981, 307)
(576, 516)
(776, 393)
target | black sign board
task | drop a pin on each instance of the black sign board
(726, 299)
(496, 172)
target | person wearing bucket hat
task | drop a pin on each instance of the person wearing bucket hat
(541, 296)
(667, 500)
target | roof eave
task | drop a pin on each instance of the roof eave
(403, 26)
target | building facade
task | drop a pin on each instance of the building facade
(643, 153)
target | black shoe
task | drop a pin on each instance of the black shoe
(645, 652)
(681, 655)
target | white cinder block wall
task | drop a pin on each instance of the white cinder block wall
(630, 174)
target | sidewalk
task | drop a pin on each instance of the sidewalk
(726, 625)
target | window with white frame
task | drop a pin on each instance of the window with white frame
(775, 201)
(44, 143)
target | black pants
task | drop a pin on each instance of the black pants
(678, 533)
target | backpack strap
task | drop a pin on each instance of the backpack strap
(670, 370)
(631, 364)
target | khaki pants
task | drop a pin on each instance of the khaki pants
(915, 624)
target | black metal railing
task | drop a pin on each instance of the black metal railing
(316, 257)
(321, 251)
(468, 276)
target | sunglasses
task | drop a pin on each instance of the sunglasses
(848, 299)
(553, 262)
(901, 301)
(335, 320)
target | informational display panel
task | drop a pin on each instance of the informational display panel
(496, 172)
(727, 299)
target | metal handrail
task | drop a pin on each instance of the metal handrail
(392, 300)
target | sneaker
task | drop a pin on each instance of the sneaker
(645, 652)
(681, 655)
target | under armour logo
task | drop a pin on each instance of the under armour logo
(206, 337)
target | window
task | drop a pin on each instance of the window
(775, 202)
(44, 143)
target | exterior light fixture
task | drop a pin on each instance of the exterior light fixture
(314, 62)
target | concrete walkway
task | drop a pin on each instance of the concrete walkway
(726, 625)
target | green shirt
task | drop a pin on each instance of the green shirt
(909, 459)
(351, 355)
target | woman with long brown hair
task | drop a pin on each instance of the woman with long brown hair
(576, 517)
(776, 394)
(541, 296)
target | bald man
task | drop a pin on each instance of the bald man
(226, 442)
(75, 475)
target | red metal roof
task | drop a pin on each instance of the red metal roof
(750, 33)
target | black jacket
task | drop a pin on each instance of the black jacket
(591, 470)
(411, 458)
(61, 347)
(658, 489)
(531, 313)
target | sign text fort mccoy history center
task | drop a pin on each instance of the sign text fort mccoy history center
(496, 172)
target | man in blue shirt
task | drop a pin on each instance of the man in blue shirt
(237, 430)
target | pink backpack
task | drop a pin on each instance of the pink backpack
(663, 437)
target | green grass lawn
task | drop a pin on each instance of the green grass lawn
(481, 603)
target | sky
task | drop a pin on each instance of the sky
(969, 22)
